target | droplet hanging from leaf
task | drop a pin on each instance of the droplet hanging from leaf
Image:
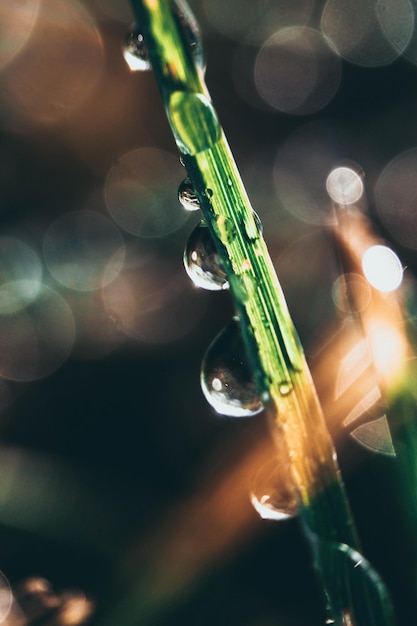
(202, 262)
(226, 378)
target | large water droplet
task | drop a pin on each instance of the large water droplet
(202, 262)
(226, 379)
(273, 494)
(187, 195)
(135, 51)
(194, 121)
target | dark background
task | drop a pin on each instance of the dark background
(117, 479)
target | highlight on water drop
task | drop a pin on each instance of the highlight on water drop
(135, 51)
(226, 378)
(273, 495)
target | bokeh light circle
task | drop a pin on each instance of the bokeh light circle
(396, 191)
(58, 68)
(20, 274)
(301, 168)
(16, 22)
(368, 32)
(35, 341)
(344, 186)
(351, 292)
(382, 268)
(153, 300)
(83, 250)
(139, 194)
(296, 71)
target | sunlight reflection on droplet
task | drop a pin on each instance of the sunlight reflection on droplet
(83, 250)
(35, 341)
(382, 268)
(135, 52)
(273, 495)
(296, 71)
(20, 274)
(344, 186)
(396, 191)
(139, 194)
(368, 32)
(16, 22)
(152, 300)
(58, 68)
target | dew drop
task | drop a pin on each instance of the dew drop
(258, 222)
(194, 122)
(135, 51)
(226, 379)
(285, 388)
(202, 261)
(273, 495)
(187, 196)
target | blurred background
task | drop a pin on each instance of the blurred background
(124, 499)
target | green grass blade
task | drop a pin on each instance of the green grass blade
(273, 348)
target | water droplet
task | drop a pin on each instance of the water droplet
(202, 262)
(194, 122)
(135, 51)
(187, 196)
(258, 222)
(226, 379)
(273, 494)
(285, 388)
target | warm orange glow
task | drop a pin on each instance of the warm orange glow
(389, 349)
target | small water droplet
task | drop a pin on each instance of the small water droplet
(202, 262)
(135, 51)
(194, 122)
(187, 196)
(273, 494)
(226, 379)
(258, 222)
(285, 388)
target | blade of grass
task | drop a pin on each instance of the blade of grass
(273, 349)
